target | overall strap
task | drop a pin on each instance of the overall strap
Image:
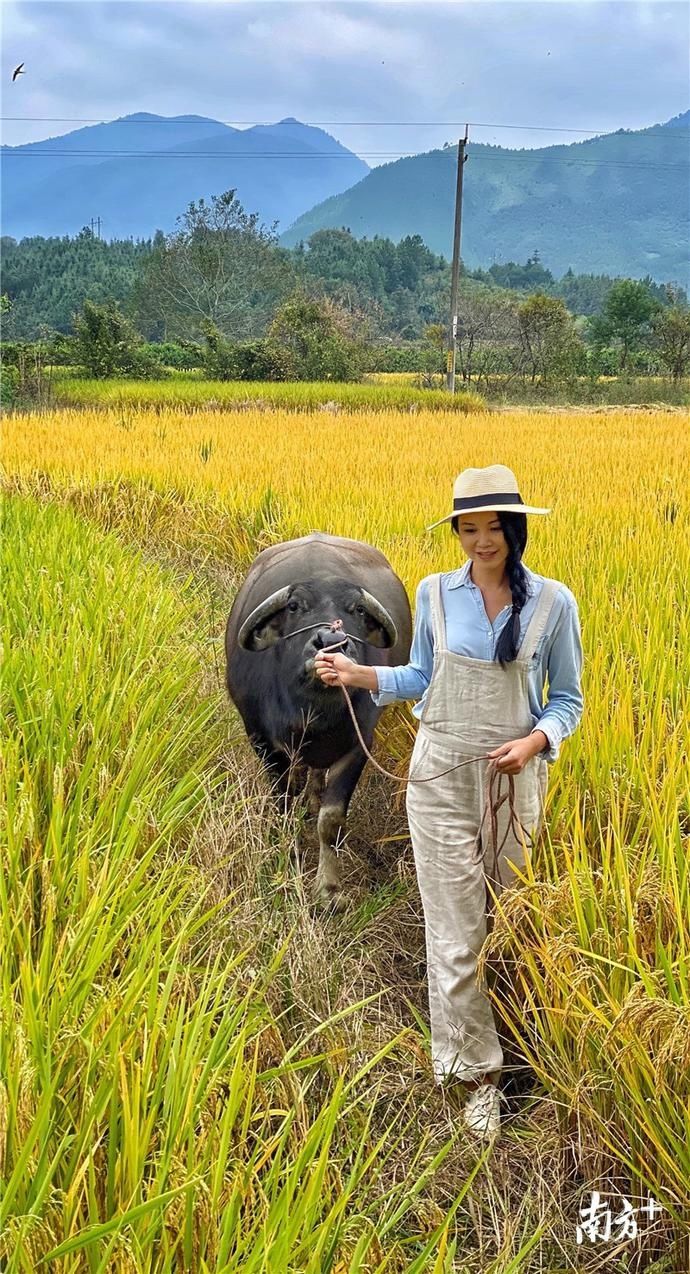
(539, 619)
(437, 616)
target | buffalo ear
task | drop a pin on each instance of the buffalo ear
(387, 631)
(261, 629)
(376, 635)
(263, 636)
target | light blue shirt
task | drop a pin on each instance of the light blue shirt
(470, 632)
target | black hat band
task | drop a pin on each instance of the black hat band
(471, 501)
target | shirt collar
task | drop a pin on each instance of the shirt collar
(461, 577)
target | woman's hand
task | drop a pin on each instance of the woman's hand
(326, 666)
(512, 757)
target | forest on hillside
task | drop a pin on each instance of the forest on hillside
(401, 287)
(222, 297)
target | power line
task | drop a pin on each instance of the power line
(513, 156)
(660, 130)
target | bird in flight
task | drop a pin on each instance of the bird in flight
(18, 71)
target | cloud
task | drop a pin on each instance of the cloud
(592, 65)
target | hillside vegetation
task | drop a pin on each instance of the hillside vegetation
(615, 204)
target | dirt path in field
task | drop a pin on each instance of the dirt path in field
(602, 409)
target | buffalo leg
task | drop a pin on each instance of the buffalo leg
(313, 792)
(340, 784)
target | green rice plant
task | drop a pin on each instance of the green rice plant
(191, 393)
(151, 1114)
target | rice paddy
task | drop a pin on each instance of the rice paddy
(198, 1072)
(185, 390)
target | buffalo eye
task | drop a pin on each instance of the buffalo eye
(360, 610)
(293, 605)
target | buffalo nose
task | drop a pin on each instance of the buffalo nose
(327, 638)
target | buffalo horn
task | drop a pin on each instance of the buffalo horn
(380, 614)
(261, 613)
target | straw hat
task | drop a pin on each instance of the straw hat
(495, 488)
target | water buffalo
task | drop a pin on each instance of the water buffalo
(298, 725)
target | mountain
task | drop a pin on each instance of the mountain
(140, 172)
(615, 204)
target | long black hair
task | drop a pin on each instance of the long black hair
(514, 527)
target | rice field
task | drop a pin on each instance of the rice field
(185, 390)
(198, 1072)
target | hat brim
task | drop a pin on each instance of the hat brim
(482, 508)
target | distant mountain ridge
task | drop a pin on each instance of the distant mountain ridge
(138, 173)
(615, 204)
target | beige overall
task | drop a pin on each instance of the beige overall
(472, 706)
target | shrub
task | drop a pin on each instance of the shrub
(9, 385)
(25, 379)
(183, 355)
(316, 339)
(243, 360)
(107, 344)
(412, 357)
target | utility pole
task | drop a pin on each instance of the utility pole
(98, 222)
(455, 270)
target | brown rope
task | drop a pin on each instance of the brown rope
(494, 796)
(494, 799)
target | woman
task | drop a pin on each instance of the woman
(485, 638)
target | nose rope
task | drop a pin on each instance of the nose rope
(335, 625)
(494, 798)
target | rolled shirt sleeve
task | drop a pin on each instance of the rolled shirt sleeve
(564, 705)
(409, 681)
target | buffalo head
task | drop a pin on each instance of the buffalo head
(307, 609)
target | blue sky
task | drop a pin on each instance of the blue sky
(352, 65)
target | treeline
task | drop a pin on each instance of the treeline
(220, 295)
(583, 294)
(48, 280)
(402, 287)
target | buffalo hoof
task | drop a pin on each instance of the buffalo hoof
(330, 897)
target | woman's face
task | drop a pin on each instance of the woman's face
(481, 536)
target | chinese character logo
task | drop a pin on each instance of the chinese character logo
(598, 1222)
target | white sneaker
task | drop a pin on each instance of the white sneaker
(482, 1110)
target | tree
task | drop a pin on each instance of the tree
(671, 335)
(530, 277)
(487, 333)
(390, 280)
(107, 344)
(318, 339)
(549, 342)
(220, 266)
(625, 317)
(6, 314)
